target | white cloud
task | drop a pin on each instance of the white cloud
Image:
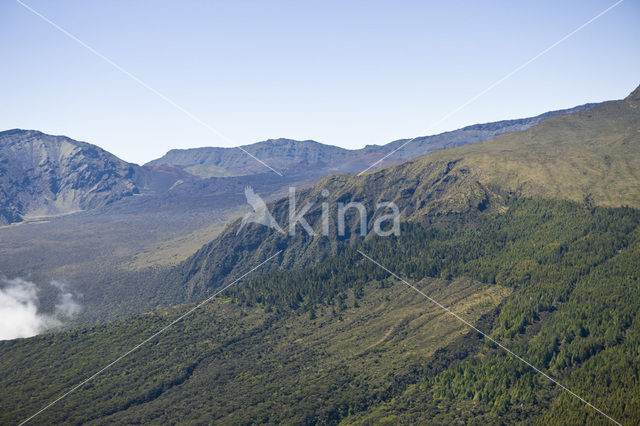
(20, 315)
(67, 302)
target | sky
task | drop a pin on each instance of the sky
(342, 73)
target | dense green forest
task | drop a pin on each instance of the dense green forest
(340, 341)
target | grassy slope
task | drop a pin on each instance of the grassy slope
(592, 155)
(264, 364)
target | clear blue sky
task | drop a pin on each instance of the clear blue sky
(343, 73)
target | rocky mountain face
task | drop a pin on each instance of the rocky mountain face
(288, 155)
(44, 175)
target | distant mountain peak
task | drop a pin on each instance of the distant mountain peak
(43, 175)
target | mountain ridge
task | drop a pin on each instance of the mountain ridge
(286, 153)
(63, 184)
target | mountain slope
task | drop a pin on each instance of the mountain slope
(44, 175)
(341, 342)
(470, 134)
(590, 156)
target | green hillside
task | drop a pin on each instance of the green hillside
(592, 155)
(340, 342)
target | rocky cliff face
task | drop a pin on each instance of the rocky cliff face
(43, 175)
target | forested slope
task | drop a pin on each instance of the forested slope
(555, 281)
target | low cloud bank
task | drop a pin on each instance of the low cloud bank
(20, 314)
